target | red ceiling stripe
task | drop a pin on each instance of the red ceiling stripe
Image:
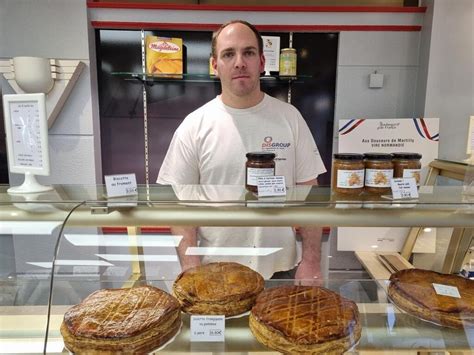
(292, 28)
(204, 7)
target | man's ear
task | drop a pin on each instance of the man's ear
(214, 65)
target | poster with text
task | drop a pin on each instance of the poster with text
(417, 135)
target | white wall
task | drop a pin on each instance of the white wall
(393, 54)
(447, 84)
(56, 29)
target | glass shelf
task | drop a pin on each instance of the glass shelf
(150, 79)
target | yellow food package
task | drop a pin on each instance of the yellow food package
(164, 55)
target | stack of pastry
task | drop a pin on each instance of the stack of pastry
(130, 320)
(222, 288)
(304, 319)
(412, 290)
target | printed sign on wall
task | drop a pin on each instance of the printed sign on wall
(417, 135)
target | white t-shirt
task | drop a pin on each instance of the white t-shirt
(209, 148)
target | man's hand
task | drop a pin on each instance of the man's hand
(309, 269)
(308, 273)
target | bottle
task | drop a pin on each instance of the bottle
(258, 164)
(378, 173)
(406, 165)
(348, 173)
(288, 62)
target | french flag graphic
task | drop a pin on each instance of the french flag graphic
(423, 131)
(350, 126)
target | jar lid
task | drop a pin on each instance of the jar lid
(261, 155)
(288, 49)
(348, 156)
(378, 156)
(409, 156)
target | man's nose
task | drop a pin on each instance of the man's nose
(240, 61)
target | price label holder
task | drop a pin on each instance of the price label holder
(404, 188)
(270, 186)
(445, 290)
(207, 328)
(121, 185)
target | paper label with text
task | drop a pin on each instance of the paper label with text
(208, 328)
(350, 179)
(445, 290)
(121, 185)
(404, 188)
(271, 186)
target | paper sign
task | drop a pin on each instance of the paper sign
(444, 290)
(271, 50)
(208, 328)
(121, 185)
(404, 188)
(271, 186)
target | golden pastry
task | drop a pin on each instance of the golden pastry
(412, 290)
(305, 320)
(131, 320)
(223, 288)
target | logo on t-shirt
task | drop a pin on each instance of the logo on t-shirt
(269, 144)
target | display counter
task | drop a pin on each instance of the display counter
(88, 243)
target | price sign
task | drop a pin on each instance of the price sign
(208, 328)
(121, 185)
(404, 188)
(445, 290)
(271, 186)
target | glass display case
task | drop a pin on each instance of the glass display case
(59, 247)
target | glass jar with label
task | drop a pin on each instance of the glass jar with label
(258, 164)
(407, 165)
(348, 173)
(378, 173)
(288, 62)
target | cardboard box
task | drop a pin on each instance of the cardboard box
(164, 55)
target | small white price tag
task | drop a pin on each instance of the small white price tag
(271, 186)
(404, 188)
(121, 185)
(444, 290)
(208, 328)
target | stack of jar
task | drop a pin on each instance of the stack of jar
(371, 172)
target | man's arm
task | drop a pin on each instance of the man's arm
(189, 235)
(310, 265)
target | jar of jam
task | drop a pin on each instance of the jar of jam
(378, 173)
(348, 173)
(407, 165)
(288, 62)
(258, 164)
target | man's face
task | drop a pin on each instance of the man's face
(238, 63)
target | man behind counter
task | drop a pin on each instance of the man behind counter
(210, 145)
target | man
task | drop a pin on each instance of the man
(210, 145)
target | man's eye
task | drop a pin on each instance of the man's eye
(249, 53)
(227, 55)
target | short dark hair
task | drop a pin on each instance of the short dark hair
(218, 32)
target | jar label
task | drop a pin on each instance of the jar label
(288, 64)
(350, 179)
(378, 177)
(413, 173)
(254, 173)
